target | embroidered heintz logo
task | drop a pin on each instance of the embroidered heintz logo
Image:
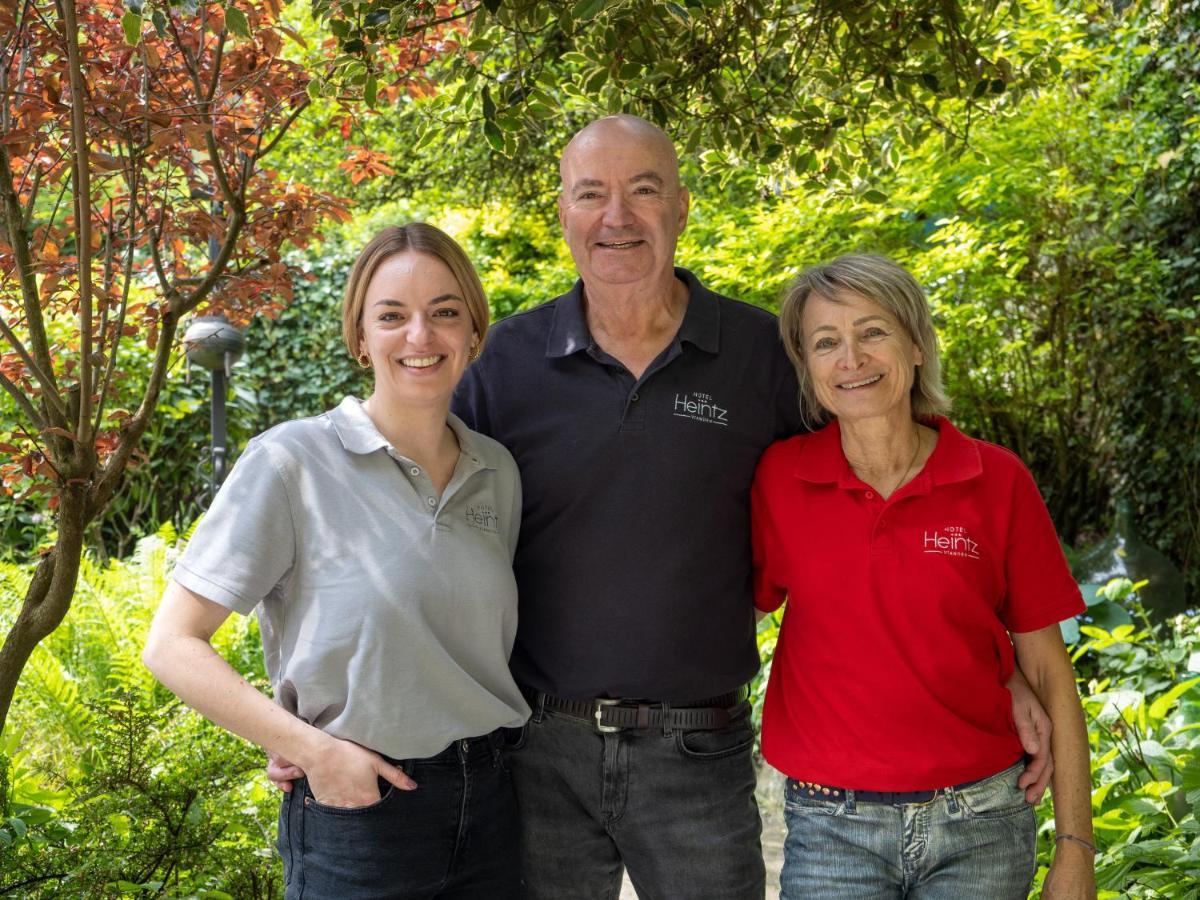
(700, 407)
(483, 516)
(952, 540)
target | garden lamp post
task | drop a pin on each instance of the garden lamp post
(213, 343)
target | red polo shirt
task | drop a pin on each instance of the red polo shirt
(894, 650)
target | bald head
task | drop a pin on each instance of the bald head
(622, 208)
(628, 131)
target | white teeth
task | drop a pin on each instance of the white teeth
(619, 245)
(857, 384)
(421, 362)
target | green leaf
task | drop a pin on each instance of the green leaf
(160, 23)
(371, 90)
(1163, 704)
(586, 9)
(494, 138)
(1091, 594)
(874, 196)
(1070, 631)
(235, 21)
(1109, 616)
(132, 23)
(489, 107)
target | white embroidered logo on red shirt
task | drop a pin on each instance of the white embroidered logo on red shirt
(951, 540)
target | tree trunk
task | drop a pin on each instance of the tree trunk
(48, 597)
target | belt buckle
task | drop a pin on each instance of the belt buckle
(602, 702)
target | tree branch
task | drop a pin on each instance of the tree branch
(81, 168)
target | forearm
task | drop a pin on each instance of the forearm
(179, 655)
(197, 675)
(1071, 785)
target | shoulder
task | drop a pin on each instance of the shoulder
(491, 452)
(295, 442)
(781, 457)
(522, 326)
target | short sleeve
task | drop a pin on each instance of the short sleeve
(1040, 589)
(245, 544)
(770, 589)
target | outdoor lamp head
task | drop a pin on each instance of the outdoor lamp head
(213, 343)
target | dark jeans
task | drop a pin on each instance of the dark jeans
(676, 809)
(452, 838)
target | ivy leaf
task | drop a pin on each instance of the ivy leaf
(586, 9)
(132, 23)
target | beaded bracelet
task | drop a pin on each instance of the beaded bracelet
(1078, 840)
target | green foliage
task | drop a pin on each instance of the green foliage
(1142, 702)
(109, 786)
(776, 86)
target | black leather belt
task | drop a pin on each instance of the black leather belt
(617, 714)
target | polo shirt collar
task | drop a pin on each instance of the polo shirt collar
(358, 433)
(955, 458)
(701, 324)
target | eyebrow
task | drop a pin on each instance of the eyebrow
(855, 323)
(440, 298)
(650, 176)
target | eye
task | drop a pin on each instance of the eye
(445, 312)
(875, 332)
(825, 343)
(587, 195)
(645, 191)
(389, 317)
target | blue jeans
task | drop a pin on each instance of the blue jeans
(674, 808)
(977, 841)
(454, 836)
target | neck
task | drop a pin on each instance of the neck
(885, 452)
(631, 311)
(417, 432)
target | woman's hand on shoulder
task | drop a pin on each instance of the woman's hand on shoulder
(347, 775)
(1072, 874)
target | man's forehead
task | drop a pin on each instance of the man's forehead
(644, 147)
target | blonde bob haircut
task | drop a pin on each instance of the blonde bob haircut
(886, 284)
(417, 237)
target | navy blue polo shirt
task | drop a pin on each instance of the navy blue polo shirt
(633, 563)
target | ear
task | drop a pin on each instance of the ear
(685, 200)
(918, 356)
(562, 203)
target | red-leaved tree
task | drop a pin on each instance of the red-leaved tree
(134, 190)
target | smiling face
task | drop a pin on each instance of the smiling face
(416, 329)
(860, 359)
(622, 208)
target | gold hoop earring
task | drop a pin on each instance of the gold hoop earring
(364, 361)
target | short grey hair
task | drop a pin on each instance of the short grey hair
(885, 283)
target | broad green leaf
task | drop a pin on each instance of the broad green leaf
(1163, 704)
(235, 21)
(131, 22)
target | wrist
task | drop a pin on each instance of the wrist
(1075, 845)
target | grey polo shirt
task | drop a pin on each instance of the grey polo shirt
(387, 612)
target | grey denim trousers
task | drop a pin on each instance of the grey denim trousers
(676, 809)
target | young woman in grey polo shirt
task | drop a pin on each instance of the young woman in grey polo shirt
(375, 542)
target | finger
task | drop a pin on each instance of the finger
(395, 776)
(1027, 733)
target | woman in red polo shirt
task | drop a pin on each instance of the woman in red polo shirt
(917, 562)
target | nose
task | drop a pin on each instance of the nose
(616, 211)
(419, 331)
(850, 355)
